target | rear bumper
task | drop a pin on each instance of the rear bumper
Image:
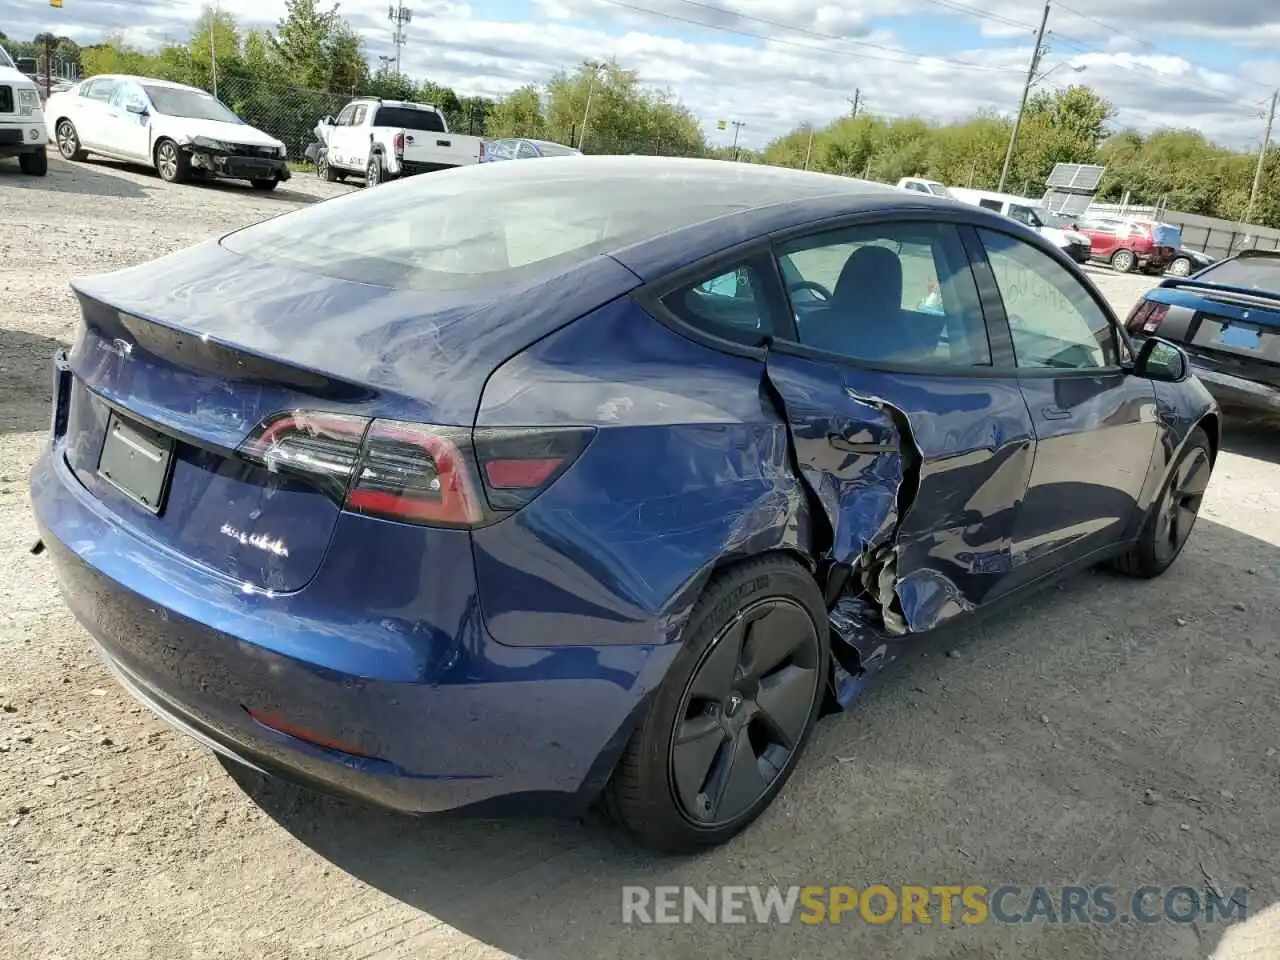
(1239, 393)
(404, 701)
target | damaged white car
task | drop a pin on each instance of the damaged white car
(183, 132)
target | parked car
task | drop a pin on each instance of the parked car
(183, 132)
(551, 482)
(921, 185)
(22, 129)
(1131, 244)
(1227, 318)
(515, 148)
(1027, 211)
(1186, 262)
(384, 139)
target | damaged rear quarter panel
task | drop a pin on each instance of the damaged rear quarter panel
(919, 476)
(689, 468)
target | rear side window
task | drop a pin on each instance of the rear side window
(1252, 272)
(891, 293)
(409, 119)
(730, 305)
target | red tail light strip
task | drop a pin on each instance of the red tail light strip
(416, 472)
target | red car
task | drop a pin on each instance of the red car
(1130, 245)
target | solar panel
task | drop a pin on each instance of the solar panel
(1071, 204)
(1076, 177)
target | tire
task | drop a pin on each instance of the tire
(373, 174)
(1181, 267)
(68, 141)
(1123, 261)
(262, 184)
(172, 164)
(323, 170)
(761, 606)
(34, 164)
(1173, 515)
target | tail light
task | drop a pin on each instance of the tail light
(1146, 318)
(413, 472)
(399, 144)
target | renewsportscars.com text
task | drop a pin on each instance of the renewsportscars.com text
(970, 904)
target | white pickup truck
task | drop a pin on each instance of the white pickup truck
(383, 139)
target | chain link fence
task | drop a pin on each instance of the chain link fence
(291, 113)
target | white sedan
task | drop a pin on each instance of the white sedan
(181, 131)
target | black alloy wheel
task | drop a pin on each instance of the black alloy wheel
(745, 711)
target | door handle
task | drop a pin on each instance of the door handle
(1056, 413)
(409, 139)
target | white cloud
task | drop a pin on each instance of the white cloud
(795, 77)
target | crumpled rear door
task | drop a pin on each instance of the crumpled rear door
(919, 479)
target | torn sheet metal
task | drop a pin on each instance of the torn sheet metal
(859, 455)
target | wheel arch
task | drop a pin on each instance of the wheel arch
(1211, 424)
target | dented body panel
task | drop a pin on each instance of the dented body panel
(920, 479)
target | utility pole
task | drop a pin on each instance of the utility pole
(737, 128)
(1262, 159)
(1026, 91)
(854, 102)
(595, 67)
(213, 48)
(399, 15)
(809, 149)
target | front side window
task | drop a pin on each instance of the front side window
(1054, 320)
(344, 118)
(526, 152)
(730, 305)
(127, 94)
(1024, 214)
(890, 293)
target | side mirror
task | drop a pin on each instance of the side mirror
(328, 121)
(137, 107)
(1158, 359)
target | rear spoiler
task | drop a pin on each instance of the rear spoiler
(1241, 296)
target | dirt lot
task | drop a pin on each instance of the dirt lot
(1109, 732)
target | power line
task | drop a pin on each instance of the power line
(1147, 43)
(966, 10)
(916, 58)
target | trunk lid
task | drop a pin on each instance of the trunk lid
(1232, 329)
(180, 359)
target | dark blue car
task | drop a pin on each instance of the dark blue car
(1227, 318)
(525, 485)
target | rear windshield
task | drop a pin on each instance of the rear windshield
(1249, 272)
(502, 223)
(409, 119)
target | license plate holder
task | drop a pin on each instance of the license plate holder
(1239, 336)
(137, 461)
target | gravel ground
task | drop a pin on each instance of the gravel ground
(1109, 732)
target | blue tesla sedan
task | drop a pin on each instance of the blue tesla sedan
(529, 485)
